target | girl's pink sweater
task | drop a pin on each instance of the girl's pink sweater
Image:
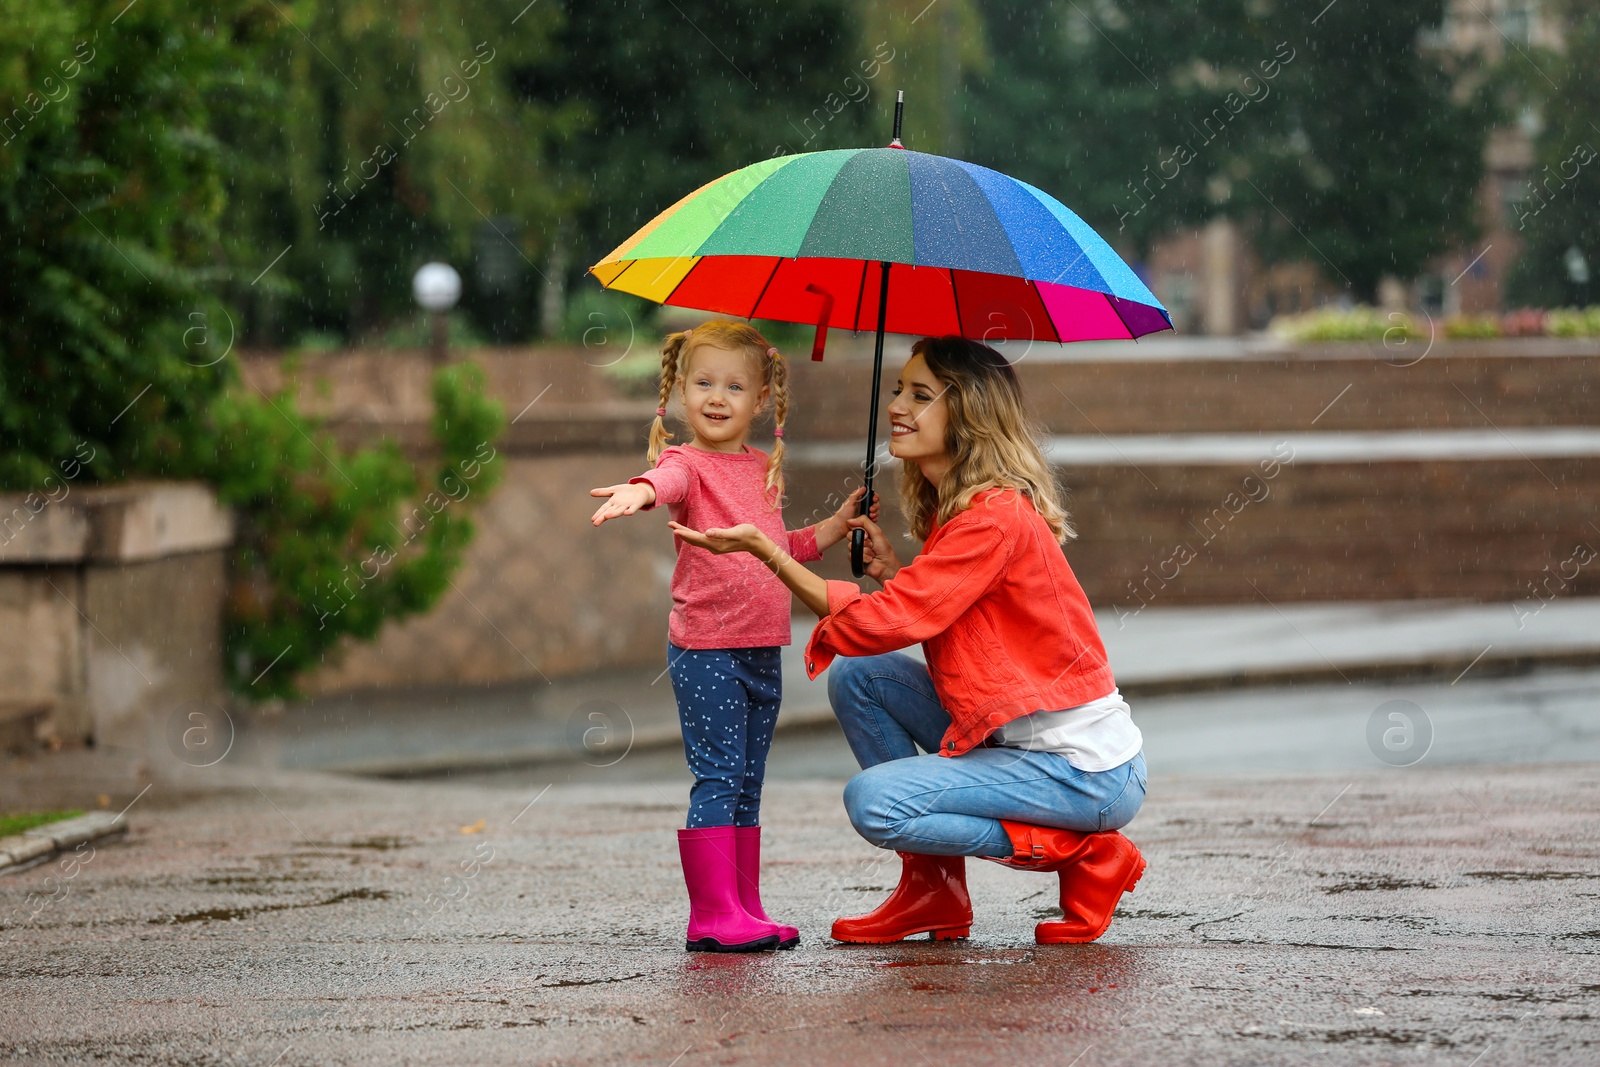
(729, 601)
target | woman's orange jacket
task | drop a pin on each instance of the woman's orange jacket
(1004, 624)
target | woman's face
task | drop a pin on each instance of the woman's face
(918, 415)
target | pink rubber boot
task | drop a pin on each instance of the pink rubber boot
(748, 842)
(717, 921)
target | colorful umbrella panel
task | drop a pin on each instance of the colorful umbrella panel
(793, 239)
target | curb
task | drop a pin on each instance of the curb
(44, 841)
(1443, 665)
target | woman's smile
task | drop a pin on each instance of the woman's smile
(918, 418)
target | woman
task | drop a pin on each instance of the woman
(1037, 760)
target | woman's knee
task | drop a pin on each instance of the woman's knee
(869, 800)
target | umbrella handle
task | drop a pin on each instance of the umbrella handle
(858, 538)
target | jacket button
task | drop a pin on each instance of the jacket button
(950, 745)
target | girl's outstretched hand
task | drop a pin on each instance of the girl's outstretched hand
(744, 537)
(879, 561)
(625, 500)
(836, 527)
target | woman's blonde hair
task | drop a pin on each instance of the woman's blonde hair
(770, 368)
(989, 436)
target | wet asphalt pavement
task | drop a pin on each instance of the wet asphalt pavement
(1432, 915)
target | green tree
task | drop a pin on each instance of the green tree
(1332, 137)
(936, 48)
(118, 148)
(674, 93)
(1556, 217)
(399, 137)
(111, 189)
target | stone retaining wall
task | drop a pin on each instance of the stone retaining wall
(111, 606)
(543, 593)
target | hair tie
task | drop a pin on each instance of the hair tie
(778, 432)
(687, 332)
(772, 353)
(661, 413)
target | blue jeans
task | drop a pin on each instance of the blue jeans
(728, 702)
(952, 805)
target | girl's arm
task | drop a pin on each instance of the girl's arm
(836, 527)
(667, 483)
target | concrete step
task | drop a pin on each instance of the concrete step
(19, 723)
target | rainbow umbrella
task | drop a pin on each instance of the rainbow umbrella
(959, 249)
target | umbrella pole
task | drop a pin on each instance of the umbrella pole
(858, 538)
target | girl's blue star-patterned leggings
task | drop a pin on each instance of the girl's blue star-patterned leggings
(728, 702)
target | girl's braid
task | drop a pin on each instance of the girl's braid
(670, 351)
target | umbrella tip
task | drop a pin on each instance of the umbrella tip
(899, 113)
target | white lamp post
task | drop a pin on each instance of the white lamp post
(437, 287)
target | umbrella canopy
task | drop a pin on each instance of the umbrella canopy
(792, 239)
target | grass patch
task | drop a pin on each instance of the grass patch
(27, 820)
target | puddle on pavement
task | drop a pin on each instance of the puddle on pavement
(1531, 876)
(256, 883)
(954, 961)
(1144, 913)
(233, 914)
(567, 983)
(1410, 922)
(1379, 884)
(1332, 1036)
(376, 844)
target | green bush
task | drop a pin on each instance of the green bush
(1360, 323)
(332, 543)
(1573, 322)
(1461, 327)
(1370, 324)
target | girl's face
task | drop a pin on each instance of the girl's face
(722, 394)
(918, 418)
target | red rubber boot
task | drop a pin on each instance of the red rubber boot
(747, 842)
(717, 921)
(930, 899)
(1095, 870)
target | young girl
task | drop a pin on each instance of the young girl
(729, 613)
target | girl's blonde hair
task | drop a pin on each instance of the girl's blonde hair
(989, 436)
(769, 364)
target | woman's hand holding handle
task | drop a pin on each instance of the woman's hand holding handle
(879, 561)
(836, 527)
